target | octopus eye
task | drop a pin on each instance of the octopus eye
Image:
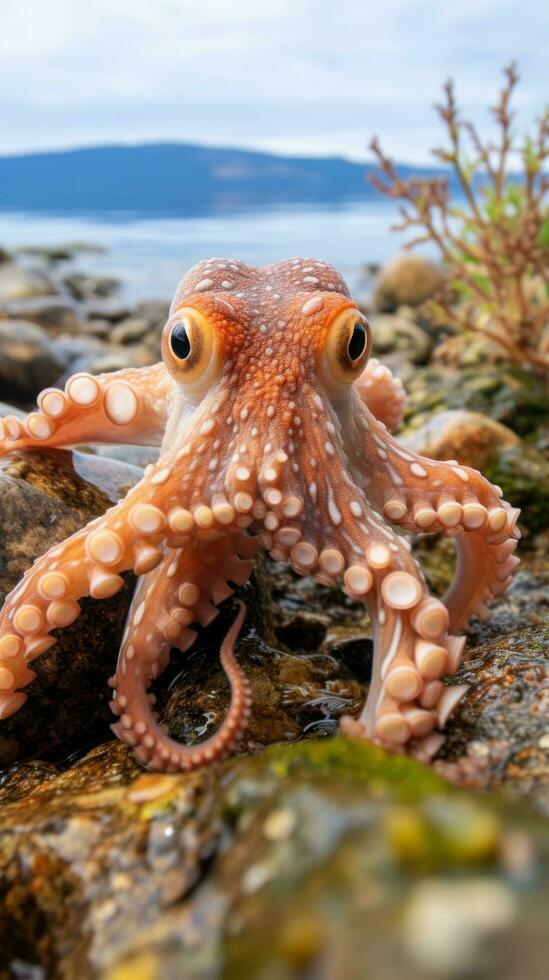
(190, 350)
(345, 350)
(179, 341)
(357, 342)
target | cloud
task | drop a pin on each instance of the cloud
(288, 75)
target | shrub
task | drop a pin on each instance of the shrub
(494, 237)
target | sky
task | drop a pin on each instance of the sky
(289, 76)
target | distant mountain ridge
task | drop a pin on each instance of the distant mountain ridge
(178, 179)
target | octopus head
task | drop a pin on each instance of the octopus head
(261, 359)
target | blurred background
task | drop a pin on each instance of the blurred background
(176, 130)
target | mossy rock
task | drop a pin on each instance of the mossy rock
(523, 475)
(517, 398)
(324, 854)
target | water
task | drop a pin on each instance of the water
(149, 254)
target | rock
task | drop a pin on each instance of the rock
(499, 736)
(4, 256)
(471, 437)
(407, 280)
(107, 357)
(450, 927)
(6, 409)
(518, 399)
(52, 254)
(140, 456)
(83, 345)
(155, 312)
(96, 328)
(83, 286)
(130, 331)
(293, 693)
(398, 334)
(110, 309)
(326, 852)
(19, 283)
(44, 497)
(478, 441)
(56, 314)
(496, 737)
(29, 361)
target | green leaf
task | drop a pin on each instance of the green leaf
(460, 287)
(543, 237)
(482, 282)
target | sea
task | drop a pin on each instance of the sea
(149, 253)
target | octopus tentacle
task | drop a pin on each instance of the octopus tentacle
(167, 601)
(382, 393)
(422, 495)
(90, 562)
(129, 406)
(330, 531)
(153, 746)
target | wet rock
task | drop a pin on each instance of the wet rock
(293, 693)
(518, 399)
(401, 335)
(452, 928)
(407, 280)
(130, 331)
(322, 853)
(73, 348)
(499, 738)
(19, 283)
(100, 358)
(478, 441)
(304, 630)
(110, 309)
(96, 328)
(155, 312)
(55, 314)
(29, 360)
(471, 437)
(52, 254)
(45, 497)
(83, 286)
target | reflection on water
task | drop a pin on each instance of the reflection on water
(150, 254)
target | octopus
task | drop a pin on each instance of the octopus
(274, 427)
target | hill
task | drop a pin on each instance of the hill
(175, 178)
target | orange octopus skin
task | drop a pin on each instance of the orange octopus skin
(273, 430)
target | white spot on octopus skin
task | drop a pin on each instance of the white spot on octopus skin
(161, 476)
(204, 284)
(393, 646)
(418, 470)
(334, 513)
